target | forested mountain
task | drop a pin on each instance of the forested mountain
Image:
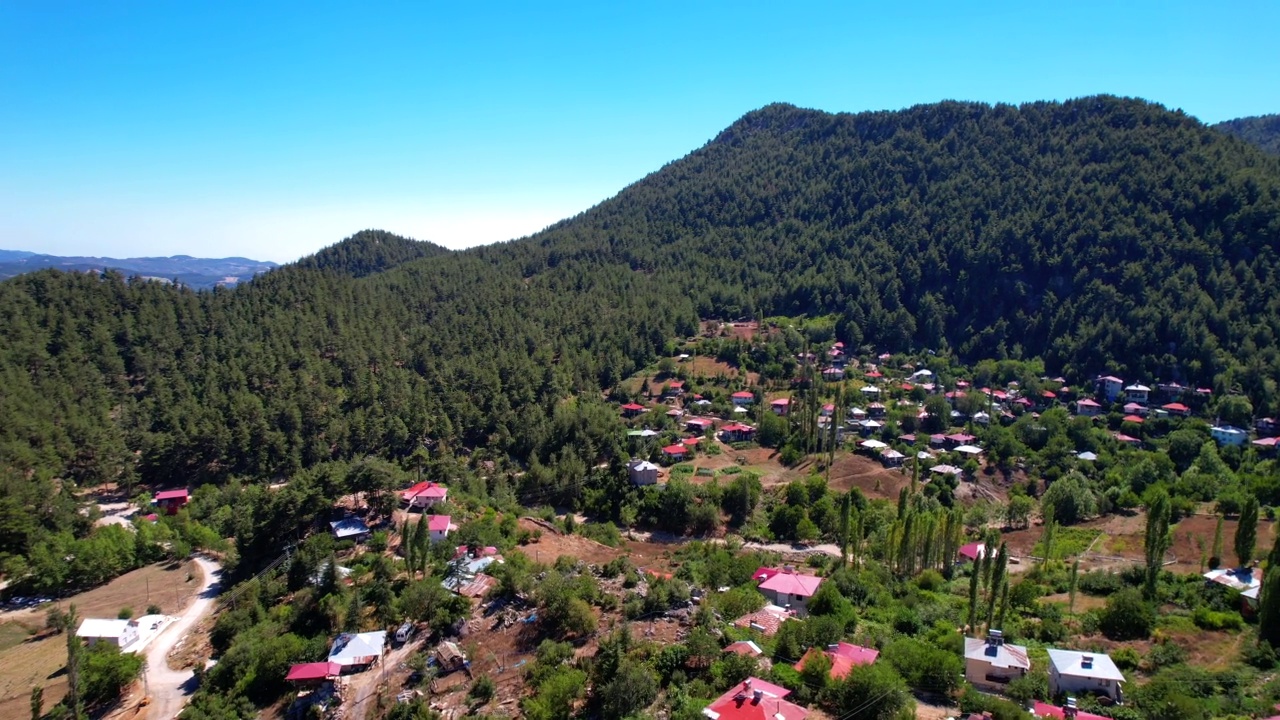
(368, 252)
(1262, 130)
(201, 273)
(1100, 233)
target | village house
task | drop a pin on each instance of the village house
(754, 699)
(832, 374)
(1177, 408)
(120, 633)
(642, 472)
(844, 658)
(1137, 393)
(891, 458)
(1069, 711)
(781, 406)
(765, 621)
(350, 528)
(1134, 408)
(991, 663)
(310, 675)
(737, 432)
(1086, 407)
(876, 410)
(354, 652)
(698, 425)
(742, 398)
(1265, 426)
(972, 552)
(424, 495)
(1109, 387)
(1084, 672)
(439, 527)
(1229, 435)
(675, 453)
(171, 501)
(1265, 445)
(1247, 581)
(674, 388)
(791, 590)
(631, 410)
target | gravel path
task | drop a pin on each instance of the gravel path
(168, 688)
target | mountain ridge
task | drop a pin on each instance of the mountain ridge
(200, 273)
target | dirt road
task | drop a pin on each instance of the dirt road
(169, 689)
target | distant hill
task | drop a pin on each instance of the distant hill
(199, 273)
(1263, 131)
(1102, 234)
(368, 252)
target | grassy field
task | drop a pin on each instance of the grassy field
(27, 659)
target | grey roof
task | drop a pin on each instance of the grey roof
(1002, 655)
(1070, 662)
(358, 648)
(348, 527)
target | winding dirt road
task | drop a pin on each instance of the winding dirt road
(169, 689)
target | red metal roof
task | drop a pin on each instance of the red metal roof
(314, 671)
(425, 489)
(844, 658)
(743, 394)
(1041, 710)
(182, 494)
(792, 584)
(632, 407)
(674, 449)
(437, 523)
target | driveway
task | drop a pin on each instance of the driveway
(170, 688)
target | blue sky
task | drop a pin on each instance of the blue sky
(271, 130)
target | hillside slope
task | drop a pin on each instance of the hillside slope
(1262, 130)
(368, 252)
(1102, 233)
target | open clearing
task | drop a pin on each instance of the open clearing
(39, 659)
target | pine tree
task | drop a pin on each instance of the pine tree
(1157, 541)
(1050, 530)
(1004, 603)
(37, 702)
(1247, 532)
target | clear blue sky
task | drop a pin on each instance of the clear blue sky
(271, 130)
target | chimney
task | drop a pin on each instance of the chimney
(833, 647)
(757, 696)
(995, 637)
(1069, 710)
(746, 684)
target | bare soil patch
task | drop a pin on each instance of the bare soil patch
(869, 476)
(552, 544)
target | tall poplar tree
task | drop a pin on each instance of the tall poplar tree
(1247, 532)
(1156, 542)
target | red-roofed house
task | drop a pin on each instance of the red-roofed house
(754, 699)
(781, 406)
(439, 525)
(313, 673)
(697, 425)
(744, 647)
(1126, 439)
(972, 552)
(691, 442)
(171, 501)
(1133, 419)
(675, 387)
(1177, 409)
(1267, 445)
(675, 453)
(764, 573)
(737, 432)
(632, 410)
(1041, 710)
(424, 495)
(791, 590)
(844, 657)
(742, 397)
(1088, 408)
(765, 621)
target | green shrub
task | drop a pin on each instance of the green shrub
(1213, 620)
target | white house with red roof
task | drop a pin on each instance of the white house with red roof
(755, 699)
(1088, 408)
(971, 552)
(439, 526)
(789, 589)
(1177, 408)
(698, 425)
(632, 409)
(742, 397)
(781, 406)
(424, 495)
